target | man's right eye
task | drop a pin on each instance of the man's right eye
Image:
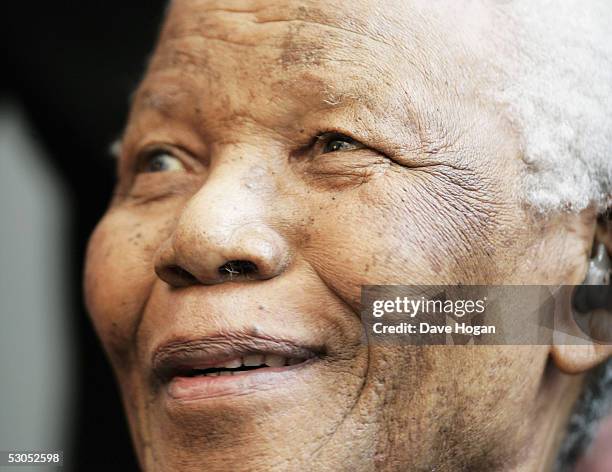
(161, 161)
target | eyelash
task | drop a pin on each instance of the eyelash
(325, 138)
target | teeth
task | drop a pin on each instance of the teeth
(253, 360)
(234, 363)
(274, 361)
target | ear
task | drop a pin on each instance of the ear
(572, 356)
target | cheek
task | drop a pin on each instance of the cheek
(383, 234)
(426, 227)
(119, 276)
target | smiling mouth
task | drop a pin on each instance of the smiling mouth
(227, 365)
(241, 365)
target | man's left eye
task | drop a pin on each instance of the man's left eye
(335, 142)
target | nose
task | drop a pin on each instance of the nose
(222, 236)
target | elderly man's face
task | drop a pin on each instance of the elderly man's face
(278, 157)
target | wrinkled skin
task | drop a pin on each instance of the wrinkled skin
(227, 155)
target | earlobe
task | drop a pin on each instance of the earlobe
(576, 359)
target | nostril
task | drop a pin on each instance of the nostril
(233, 269)
(177, 276)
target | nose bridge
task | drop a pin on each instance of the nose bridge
(233, 195)
(224, 231)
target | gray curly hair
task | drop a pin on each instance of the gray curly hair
(557, 61)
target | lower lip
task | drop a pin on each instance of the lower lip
(203, 387)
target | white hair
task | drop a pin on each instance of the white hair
(558, 59)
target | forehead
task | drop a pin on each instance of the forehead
(283, 57)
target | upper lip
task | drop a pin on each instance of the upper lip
(181, 355)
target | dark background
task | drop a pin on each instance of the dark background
(73, 66)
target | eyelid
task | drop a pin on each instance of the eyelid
(331, 135)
